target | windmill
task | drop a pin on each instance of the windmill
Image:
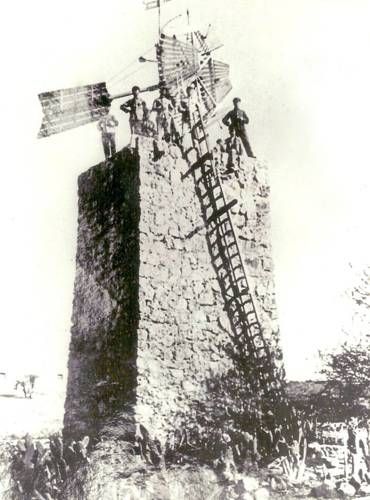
(180, 63)
(183, 61)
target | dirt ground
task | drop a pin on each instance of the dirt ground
(39, 416)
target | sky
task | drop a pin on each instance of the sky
(302, 70)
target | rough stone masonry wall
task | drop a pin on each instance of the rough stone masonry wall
(102, 359)
(180, 342)
(146, 333)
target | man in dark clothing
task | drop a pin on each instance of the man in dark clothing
(138, 110)
(236, 119)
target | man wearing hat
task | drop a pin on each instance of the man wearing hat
(236, 119)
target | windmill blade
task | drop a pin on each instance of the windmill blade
(182, 63)
(215, 77)
(70, 108)
(215, 117)
(178, 62)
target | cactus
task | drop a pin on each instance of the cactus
(40, 470)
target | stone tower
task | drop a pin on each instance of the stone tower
(149, 324)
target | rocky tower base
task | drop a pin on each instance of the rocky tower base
(149, 328)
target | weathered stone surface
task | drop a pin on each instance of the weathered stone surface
(325, 490)
(261, 494)
(102, 362)
(149, 326)
(346, 490)
(251, 190)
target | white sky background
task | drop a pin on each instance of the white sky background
(302, 69)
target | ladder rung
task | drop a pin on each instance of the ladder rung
(236, 254)
(248, 313)
(223, 265)
(239, 266)
(208, 173)
(222, 210)
(201, 161)
(210, 187)
(231, 299)
(204, 138)
(261, 348)
(212, 203)
(207, 194)
(216, 197)
(232, 244)
(212, 200)
(231, 285)
(248, 301)
(241, 295)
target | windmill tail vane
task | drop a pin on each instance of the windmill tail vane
(70, 108)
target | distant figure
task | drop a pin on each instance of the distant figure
(171, 148)
(234, 149)
(219, 152)
(237, 120)
(163, 108)
(27, 384)
(187, 107)
(175, 134)
(107, 126)
(138, 110)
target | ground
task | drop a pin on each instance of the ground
(39, 416)
(43, 415)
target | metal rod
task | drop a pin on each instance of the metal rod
(151, 88)
(170, 21)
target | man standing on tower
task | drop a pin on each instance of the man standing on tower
(107, 126)
(188, 107)
(138, 110)
(237, 119)
(163, 108)
(234, 150)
